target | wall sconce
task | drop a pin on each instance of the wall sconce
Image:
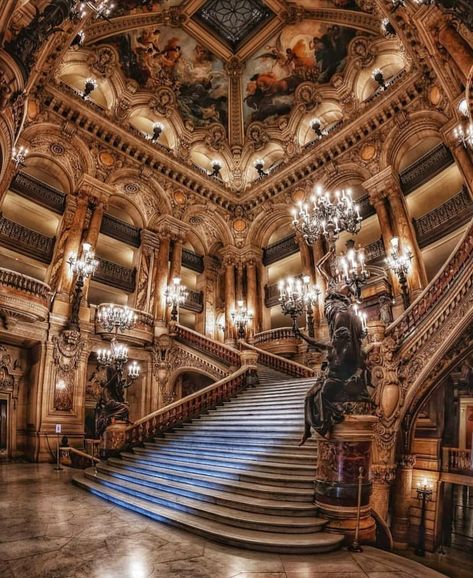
(424, 492)
(78, 39)
(157, 128)
(316, 126)
(216, 168)
(259, 166)
(19, 156)
(387, 28)
(89, 87)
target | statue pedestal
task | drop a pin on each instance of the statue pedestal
(114, 438)
(336, 486)
(249, 357)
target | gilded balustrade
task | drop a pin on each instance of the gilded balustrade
(208, 346)
(23, 297)
(279, 363)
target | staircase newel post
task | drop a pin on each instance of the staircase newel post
(341, 455)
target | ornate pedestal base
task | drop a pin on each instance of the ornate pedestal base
(336, 484)
(114, 438)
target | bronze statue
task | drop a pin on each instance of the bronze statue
(111, 404)
(345, 376)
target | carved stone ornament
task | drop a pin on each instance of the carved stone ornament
(361, 52)
(163, 102)
(215, 137)
(67, 349)
(7, 379)
(381, 474)
(257, 136)
(103, 61)
(307, 96)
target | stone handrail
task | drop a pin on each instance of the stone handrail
(436, 291)
(273, 335)
(25, 284)
(168, 417)
(66, 450)
(280, 363)
(457, 461)
(208, 346)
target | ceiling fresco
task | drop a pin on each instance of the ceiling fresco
(309, 51)
(164, 56)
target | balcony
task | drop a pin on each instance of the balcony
(120, 230)
(114, 275)
(280, 341)
(445, 219)
(23, 298)
(39, 192)
(457, 461)
(194, 302)
(192, 261)
(279, 250)
(425, 168)
(141, 334)
(22, 240)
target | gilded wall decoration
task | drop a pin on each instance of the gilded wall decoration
(67, 349)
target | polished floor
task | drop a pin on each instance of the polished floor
(51, 529)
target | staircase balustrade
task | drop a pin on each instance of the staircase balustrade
(457, 271)
(274, 335)
(280, 363)
(213, 348)
(458, 461)
(167, 418)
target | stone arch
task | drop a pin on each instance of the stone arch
(266, 223)
(209, 224)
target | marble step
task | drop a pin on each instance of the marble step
(266, 439)
(220, 471)
(244, 406)
(271, 466)
(272, 397)
(259, 490)
(308, 449)
(243, 453)
(251, 419)
(243, 427)
(223, 514)
(252, 539)
(225, 497)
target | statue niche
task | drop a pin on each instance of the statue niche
(342, 387)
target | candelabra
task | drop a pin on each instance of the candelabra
(19, 156)
(84, 267)
(89, 87)
(352, 270)
(116, 318)
(363, 317)
(175, 295)
(295, 296)
(101, 8)
(157, 129)
(463, 108)
(241, 319)
(378, 76)
(397, 4)
(464, 135)
(387, 28)
(424, 494)
(259, 166)
(78, 39)
(399, 262)
(216, 167)
(316, 126)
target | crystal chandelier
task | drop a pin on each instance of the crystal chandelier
(464, 135)
(399, 262)
(84, 267)
(326, 216)
(351, 268)
(297, 295)
(89, 86)
(114, 317)
(363, 317)
(101, 8)
(175, 295)
(241, 319)
(19, 155)
(157, 129)
(316, 126)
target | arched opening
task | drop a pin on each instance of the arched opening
(189, 382)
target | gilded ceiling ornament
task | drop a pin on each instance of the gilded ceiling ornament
(215, 137)
(307, 96)
(239, 225)
(163, 102)
(257, 136)
(131, 188)
(180, 198)
(57, 149)
(298, 195)
(106, 159)
(368, 152)
(103, 61)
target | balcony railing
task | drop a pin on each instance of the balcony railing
(141, 333)
(278, 334)
(374, 251)
(41, 193)
(422, 170)
(115, 275)
(444, 219)
(457, 461)
(192, 261)
(279, 363)
(26, 241)
(280, 250)
(22, 297)
(120, 230)
(24, 284)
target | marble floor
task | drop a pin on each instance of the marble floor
(51, 529)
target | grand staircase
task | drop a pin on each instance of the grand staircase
(235, 475)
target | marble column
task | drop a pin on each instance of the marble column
(317, 253)
(239, 281)
(309, 270)
(161, 278)
(458, 48)
(209, 287)
(92, 233)
(402, 502)
(229, 298)
(176, 259)
(382, 477)
(148, 254)
(252, 295)
(464, 162)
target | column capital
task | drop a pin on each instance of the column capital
(95, 190)
(149, 239)
(407, 461)
(170, 227)
(383, 474)
(382, 184)
(211, 264)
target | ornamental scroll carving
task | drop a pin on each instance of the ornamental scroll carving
(67, 349)
(7, 372)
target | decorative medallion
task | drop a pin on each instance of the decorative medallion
(131, 188)
(435, 96)
(298, 196)
(180, 198)
(368, 152)
(106, 159)
(233, 21)
(57, 149)
(239, 225)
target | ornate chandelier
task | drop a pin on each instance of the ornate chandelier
(327, 216)
(175, 294)
(399, 262)
(19, 155)
(114, 317)
(297, 295)
(241, 319)
(464, 135)
(101, 8)
(351, 268)
(84, 267)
